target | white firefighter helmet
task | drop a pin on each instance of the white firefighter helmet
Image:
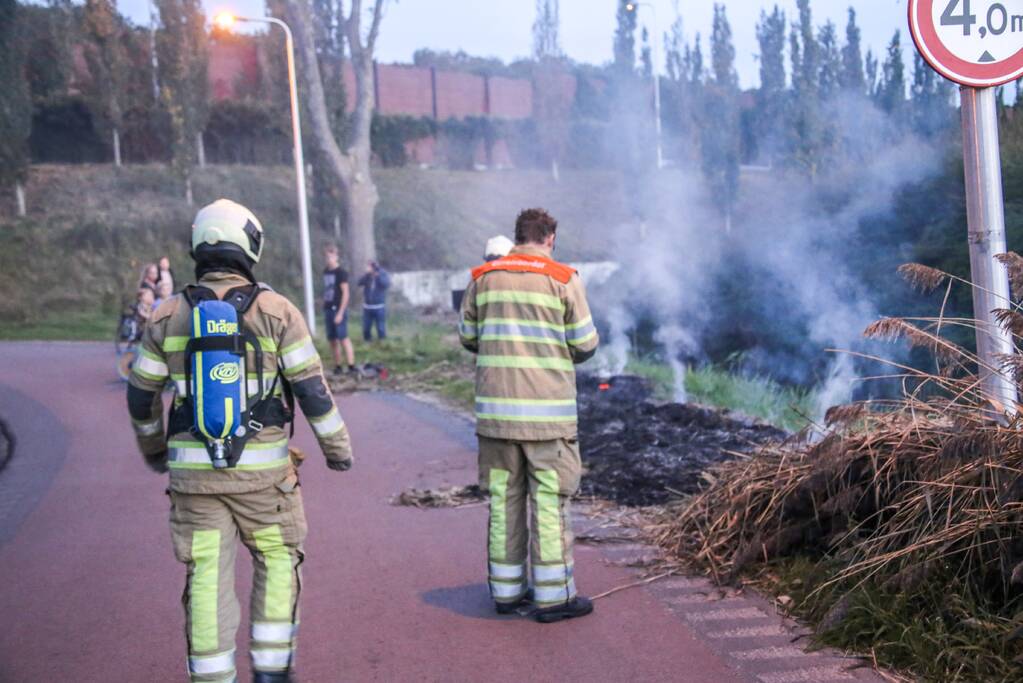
(228, 224)
(497, 247)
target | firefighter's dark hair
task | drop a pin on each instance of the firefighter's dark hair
(533, 226)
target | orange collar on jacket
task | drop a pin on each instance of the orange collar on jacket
(521, 262)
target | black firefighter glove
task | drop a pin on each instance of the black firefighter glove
(157, 461)
(340, 465)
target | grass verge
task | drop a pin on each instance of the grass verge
(421, 352)
(941, 631)
(760, 397)
(78, 326)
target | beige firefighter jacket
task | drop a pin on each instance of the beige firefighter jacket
(528, 329)
(284, 338)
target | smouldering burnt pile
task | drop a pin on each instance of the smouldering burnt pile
(638, 452)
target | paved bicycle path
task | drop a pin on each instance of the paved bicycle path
(89, 589)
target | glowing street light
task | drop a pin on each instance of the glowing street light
(226, 21)
(634, 7)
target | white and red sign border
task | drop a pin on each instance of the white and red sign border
(925, 35)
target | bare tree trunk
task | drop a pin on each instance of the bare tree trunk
(337, 227)
(19, 196)
(350, 169)
(117, 148)
(554, 171)
(188, 191)
(200, 150)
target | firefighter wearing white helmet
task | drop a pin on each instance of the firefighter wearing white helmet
(226, 442)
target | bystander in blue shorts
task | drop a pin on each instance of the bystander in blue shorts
(335, 331)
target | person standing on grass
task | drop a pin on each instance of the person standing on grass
(336, 295)
(375, 283)
(527, 319)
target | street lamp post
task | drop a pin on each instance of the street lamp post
(634, 7)
(225, 20)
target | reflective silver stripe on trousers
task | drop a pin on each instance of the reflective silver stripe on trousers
(267, 632)
(212, 664)
(558, 573)
(507, 591)
(549, 594)
(149, 428)
(506, 571)
(250, 456)
(526, 410)
(271, 658)
(328, 424)
(300, 355)
(230, 679)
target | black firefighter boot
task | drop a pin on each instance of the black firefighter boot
(272, 677)
(576, 607)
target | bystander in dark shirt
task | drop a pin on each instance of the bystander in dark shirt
(332, 281)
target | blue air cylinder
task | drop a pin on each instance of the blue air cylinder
(218, 389)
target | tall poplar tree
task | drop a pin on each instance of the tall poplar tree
(891, 95)
(720, 135)
(771, 96)
(852, 77)
(182, 46)
(15, 105)
(552, 104)
(830, 68)
(108, 68)
(806, 132)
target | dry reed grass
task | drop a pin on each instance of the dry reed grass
(900, 497)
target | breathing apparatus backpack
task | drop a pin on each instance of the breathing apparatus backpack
(215, 408)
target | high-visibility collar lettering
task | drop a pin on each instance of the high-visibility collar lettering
(527, 263)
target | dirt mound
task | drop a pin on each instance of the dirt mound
(638, 452)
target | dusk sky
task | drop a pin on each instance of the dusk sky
(502, 28)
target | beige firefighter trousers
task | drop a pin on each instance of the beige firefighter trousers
(205, 529)
(538, 477)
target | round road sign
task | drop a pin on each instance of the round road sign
(978, 43)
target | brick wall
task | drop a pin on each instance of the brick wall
(405, 90)
(511, 98)
(401, 89)
(459, 95)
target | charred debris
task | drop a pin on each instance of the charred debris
(638, 451)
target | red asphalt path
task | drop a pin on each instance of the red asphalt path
(90, 590)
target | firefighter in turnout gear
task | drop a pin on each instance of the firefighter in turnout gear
(231, 472)
(526, 318)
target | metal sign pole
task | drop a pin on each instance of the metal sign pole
(985, 215)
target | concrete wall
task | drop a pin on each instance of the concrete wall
(432, 288)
